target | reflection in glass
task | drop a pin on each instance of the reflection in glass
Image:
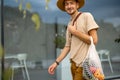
(33, 30)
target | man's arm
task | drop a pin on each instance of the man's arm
(84, 37)
(63, 54)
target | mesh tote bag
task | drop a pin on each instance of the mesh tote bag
(92, 69)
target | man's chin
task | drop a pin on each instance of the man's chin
(70, 13)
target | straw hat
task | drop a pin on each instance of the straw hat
(60, 4)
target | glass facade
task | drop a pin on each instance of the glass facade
(32, 27)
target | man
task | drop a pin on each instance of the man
(77, 37)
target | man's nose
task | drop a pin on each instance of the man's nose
(69, 5)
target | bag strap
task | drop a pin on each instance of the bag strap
(74, 22)
(76, 18)
(91, 39)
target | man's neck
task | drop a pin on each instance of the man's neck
(74, 15)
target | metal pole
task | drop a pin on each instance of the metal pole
(56, 34)
(2, 39)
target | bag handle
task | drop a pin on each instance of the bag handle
(76, 18)
(91, 39)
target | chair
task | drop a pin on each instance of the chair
(105, 56)
(20, 64)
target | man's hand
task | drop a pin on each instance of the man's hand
(72, 29)
(51, 69)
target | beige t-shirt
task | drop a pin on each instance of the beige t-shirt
(78, 49)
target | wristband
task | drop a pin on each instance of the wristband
(57, 62)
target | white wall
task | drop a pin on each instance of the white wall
(63, 70)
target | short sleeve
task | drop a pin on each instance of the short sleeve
(91, 24)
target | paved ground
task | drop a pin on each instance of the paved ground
(39, 73)
(36, 75)
(42, 74)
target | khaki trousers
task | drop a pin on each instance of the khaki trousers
(76, 71)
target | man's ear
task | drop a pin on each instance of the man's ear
(77, 5)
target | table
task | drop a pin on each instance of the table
(10, 56)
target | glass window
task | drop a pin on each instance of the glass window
(37, 28)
